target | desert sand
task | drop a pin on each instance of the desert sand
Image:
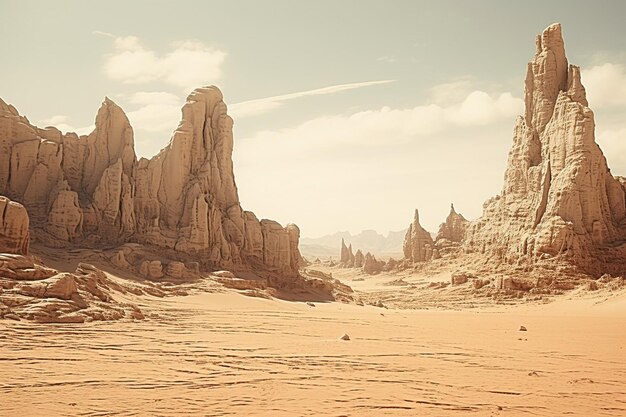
(141, 287)
(226, 354)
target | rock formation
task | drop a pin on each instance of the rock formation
(453, 229)
(451, 234)
(92, 191)
(72, 187)
(371, 265)
(14, 233)
(351, 258)
(358, 259)
(34, 292)
(346, 256)
(559, 198)
(418, 244)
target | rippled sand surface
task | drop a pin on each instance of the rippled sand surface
(229, 355)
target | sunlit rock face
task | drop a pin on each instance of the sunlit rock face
(418, 243)
(559, 198)
(92, 190)
(14, 233)
(453, 229)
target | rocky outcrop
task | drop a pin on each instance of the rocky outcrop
(14, 232)
(34, 292)
(346, 256)
(559, 198)
(418, 244)
(371, 265)
(351, 258)
(453, 229)
(92, 191)
(358, 259)
(451, 234)
(72, 187)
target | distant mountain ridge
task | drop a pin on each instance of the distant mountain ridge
(367, 240)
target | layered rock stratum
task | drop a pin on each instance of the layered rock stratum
(35, 292)
(559, 198)
(91, 191)
(14, 227)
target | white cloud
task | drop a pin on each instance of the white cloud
(264, 105)
(189, 64)
(157, 112)
(101, 33)
(451, 92)
(154, 116)
(61, 122)
(370, 169)
(479, 108)
(613, 144)
(55, 120)
(387, 126)
(605, 85)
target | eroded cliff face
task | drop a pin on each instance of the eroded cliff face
(91, 190)
(73, 188)
(559, 198)
(14, 233)
(186, 198)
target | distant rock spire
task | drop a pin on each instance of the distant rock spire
(453, 229)
(418, 244)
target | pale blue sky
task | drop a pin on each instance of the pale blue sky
(355, 157)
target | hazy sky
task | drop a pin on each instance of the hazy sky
(348, 114)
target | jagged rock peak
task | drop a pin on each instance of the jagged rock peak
(559, 198)
(346, 257)
(358, 259)
(418, 243)
(91, 190)
(453, 229)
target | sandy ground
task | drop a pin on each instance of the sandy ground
(226, 354)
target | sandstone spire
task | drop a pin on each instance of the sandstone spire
(559, 197)
(418, 244)
(453, 229)
(350, 256)
(358, 259)
(344, 255)
(371, 265)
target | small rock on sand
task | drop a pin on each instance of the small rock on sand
(310, 304)
(345, 337)
(522, 329)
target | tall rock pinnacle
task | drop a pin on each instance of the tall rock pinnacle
(418, 244)
(559, 198)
